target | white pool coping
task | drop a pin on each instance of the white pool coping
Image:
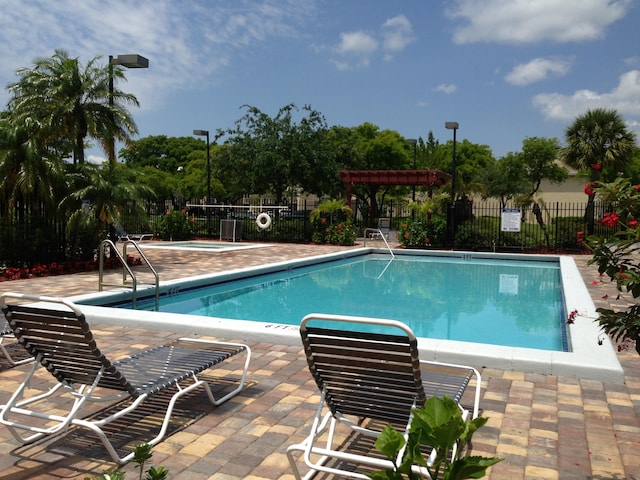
(587, 359)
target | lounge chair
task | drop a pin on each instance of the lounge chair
(136, 237)
(56, 333)
(370, 375)
(384, 227)
(6, 333)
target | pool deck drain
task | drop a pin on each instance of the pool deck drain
(545, 426)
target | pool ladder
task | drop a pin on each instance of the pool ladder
(378, 234)
(126, 270)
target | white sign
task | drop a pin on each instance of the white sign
(511, 220)
(508, 284)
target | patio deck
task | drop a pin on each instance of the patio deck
(545, 426)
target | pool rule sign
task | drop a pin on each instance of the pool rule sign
(511, 218)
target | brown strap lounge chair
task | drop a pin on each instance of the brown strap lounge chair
(56, 333)
(370, 375)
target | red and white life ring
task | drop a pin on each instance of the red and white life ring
(263, 221)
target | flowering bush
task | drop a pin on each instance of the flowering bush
(420, 234)
(176, 225)
(342, 233)
(616, 257)
(39, 270)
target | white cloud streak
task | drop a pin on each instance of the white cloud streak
(186, 42)
(537, 70)
(534, 21)
(625, 98)
(447, 88)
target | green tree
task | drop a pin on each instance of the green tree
(598, 142)
(366, 147)
(504, 179)
(275, 154)
(539, 157)
(71, 103)
(472, 162)
(30, 175)
(110, 190)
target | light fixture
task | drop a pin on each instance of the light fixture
(132, 60)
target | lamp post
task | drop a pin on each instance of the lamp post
(205, 133)
(414, 142)
(452, 226)
(132, 60)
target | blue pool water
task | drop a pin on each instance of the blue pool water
(494, 301)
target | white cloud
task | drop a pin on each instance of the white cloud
(185, 43)
(536, 70)
(531, 21)
(397, 33)
(447, 88)
(357, 43)
(625, 98)
(357, 48)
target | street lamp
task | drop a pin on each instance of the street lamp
(132, 60)
(453, 126)
(205, 133)
(414, 142)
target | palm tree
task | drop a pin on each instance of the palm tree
(598, 141)
(29, 174)
(109, 189)
(72, 103)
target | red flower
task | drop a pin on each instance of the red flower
(580, 237)
(406, 235)
(633, 223)
(168, 212)
(428, 240)
(610, 219)
(323, 220)
(326, 230)
(588, 188)
(638, 188)
(596, 166)
(183, 211)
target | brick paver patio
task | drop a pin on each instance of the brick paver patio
(545, 426)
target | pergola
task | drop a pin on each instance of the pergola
(377, 178)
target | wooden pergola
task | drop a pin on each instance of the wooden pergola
(377, 178)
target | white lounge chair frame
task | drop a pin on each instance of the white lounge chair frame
(56, 333)
(368, 376)
(6, 333)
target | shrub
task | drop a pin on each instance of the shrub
(176, 225)
(420, 234)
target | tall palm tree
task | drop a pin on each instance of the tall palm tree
(29, 173)
(598, 140)
(72, 102)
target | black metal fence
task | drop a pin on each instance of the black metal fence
(27, 239)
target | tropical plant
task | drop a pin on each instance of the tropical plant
(600, 144)
(99, 197)
(438, 424)
(72, 103)
(331, 224)
(176, 225)
(141, 455)
(617, 258)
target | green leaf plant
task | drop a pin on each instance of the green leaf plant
(440, 426)
(141, 455)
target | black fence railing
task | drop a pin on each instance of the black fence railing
(27, 239)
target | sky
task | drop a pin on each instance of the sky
(504, 70)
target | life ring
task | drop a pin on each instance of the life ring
(263, 221)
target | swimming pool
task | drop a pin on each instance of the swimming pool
(503, 302)
(586, 358)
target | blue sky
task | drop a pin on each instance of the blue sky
(504, 69)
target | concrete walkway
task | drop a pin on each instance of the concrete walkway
(545, 426)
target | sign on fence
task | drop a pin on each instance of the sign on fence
(511, 218)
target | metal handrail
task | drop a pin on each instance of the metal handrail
(379, 232)
(127, 270)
